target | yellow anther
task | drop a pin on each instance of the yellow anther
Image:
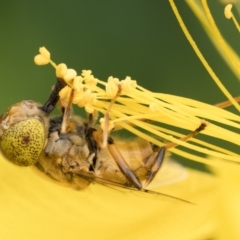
(43, 58)
(69, 76)
(112, 87)
(128, 85)
(61, 70)
(228, 11)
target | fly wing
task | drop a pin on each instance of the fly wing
(113, 184)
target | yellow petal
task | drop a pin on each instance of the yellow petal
(227, 206)
(33, 207)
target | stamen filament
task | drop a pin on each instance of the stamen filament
(53, 64)
(201, 57)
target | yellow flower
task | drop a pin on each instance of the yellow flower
(34, 208)
(46, 210)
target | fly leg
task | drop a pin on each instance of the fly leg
(50, 104)
(161, 152)
(103, 140)
(106, 117)
(118, 158)
(122, 164)
(67, 113)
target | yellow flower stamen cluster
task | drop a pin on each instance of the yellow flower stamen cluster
(139, 111)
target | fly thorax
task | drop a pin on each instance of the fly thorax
(71, 149)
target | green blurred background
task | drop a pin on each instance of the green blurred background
(137, 38)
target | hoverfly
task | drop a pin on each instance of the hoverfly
(30, 136)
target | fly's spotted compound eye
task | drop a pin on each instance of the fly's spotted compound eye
(23, 142)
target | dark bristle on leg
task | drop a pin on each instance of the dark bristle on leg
(54, 97)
